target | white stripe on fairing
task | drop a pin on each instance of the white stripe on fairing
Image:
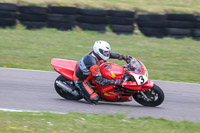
(31, 111)
(56, 72)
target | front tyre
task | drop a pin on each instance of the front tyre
(64, 93)
(154, 97)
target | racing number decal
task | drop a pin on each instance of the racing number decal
(141, 79)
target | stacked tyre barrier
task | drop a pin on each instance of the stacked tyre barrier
(92, 19)
(121, 22)
(196, 31)
(152, 25)
(62, 18)
(33, 17)
(179, 25)
(8, 14)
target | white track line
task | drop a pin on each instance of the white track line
(31, 111)
(30, 70)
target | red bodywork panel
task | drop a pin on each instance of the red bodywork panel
(133, 85)
(64, 67)
(109, 71)
(108, 92)
(148, 85)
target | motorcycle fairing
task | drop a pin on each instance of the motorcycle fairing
(67, 67)
(64, 67)
(133, 85)
(108, 94)
(140, 73)
(111, 71)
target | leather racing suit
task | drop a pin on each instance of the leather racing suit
(89, 65)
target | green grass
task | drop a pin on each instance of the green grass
(165, 59)
(142, 6)
(23, 122)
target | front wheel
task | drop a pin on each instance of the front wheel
(63, 93)
(152, 97)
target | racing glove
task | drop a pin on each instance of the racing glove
(127, 58)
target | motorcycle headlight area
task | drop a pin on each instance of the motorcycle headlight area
(140, 79)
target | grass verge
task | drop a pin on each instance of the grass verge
(166, 59)
(142, 6)
(23, 122)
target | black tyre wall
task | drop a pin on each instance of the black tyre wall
(65, 18)
(179, 25)
(34, 25)
(92, 27)
(33, 21)
(33, 10)
(152, 25)
(7, 18)
(178, 32)
(196, 33)
(116, 13)
(92, 12)
(92, 19)
(121, 22)
(197, 25)
(33, 17)
(61, 18)
(180, 17)
(8, 14)
(196, 30)
(62, 10)
(122, 28)
(7, 22)
(153, 32)
(61, 25)
(151, 17)
(8, 7)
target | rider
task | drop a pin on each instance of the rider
(89, 65)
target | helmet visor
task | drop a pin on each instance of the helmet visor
(105, 53)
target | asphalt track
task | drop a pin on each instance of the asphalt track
(33, 90)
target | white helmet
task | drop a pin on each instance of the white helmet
(102, 48)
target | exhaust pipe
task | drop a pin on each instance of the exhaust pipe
(67, 88)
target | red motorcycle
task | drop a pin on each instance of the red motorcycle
(135, 83)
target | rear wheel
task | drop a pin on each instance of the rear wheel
(154, 97)
(64, 93)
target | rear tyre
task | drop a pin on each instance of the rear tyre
(64, 93)
(155, 97)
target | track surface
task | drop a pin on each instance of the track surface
(33, 90)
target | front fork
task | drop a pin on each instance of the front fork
(145, 96)
(148, 85)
